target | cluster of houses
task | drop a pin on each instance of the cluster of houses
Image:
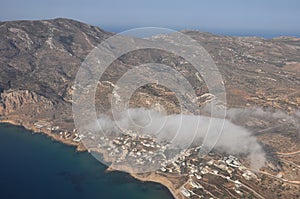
(138, 150)
(224, 168)
(65, 134)
(142, 150)
(189, 163)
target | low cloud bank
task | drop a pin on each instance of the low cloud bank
(182, 131)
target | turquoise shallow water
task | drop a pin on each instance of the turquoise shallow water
(34, 166)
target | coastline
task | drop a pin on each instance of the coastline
(152, 177)
(163, 181)
(31, 127)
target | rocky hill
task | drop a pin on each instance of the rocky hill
(43, 57)
(40, 59)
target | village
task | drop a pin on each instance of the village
(211, 176)
(215, 175)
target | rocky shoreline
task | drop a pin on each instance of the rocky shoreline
(163, 181)
(152, 177)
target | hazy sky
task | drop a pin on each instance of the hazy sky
(231, 16)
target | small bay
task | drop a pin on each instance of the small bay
(34, 166)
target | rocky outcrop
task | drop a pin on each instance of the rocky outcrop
(2, 108)
(23, 101)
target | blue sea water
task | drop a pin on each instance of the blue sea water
(224, 32)
(32, 166)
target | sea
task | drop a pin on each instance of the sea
(241, 33)
(33, 166)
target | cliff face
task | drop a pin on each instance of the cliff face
(24, 101)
